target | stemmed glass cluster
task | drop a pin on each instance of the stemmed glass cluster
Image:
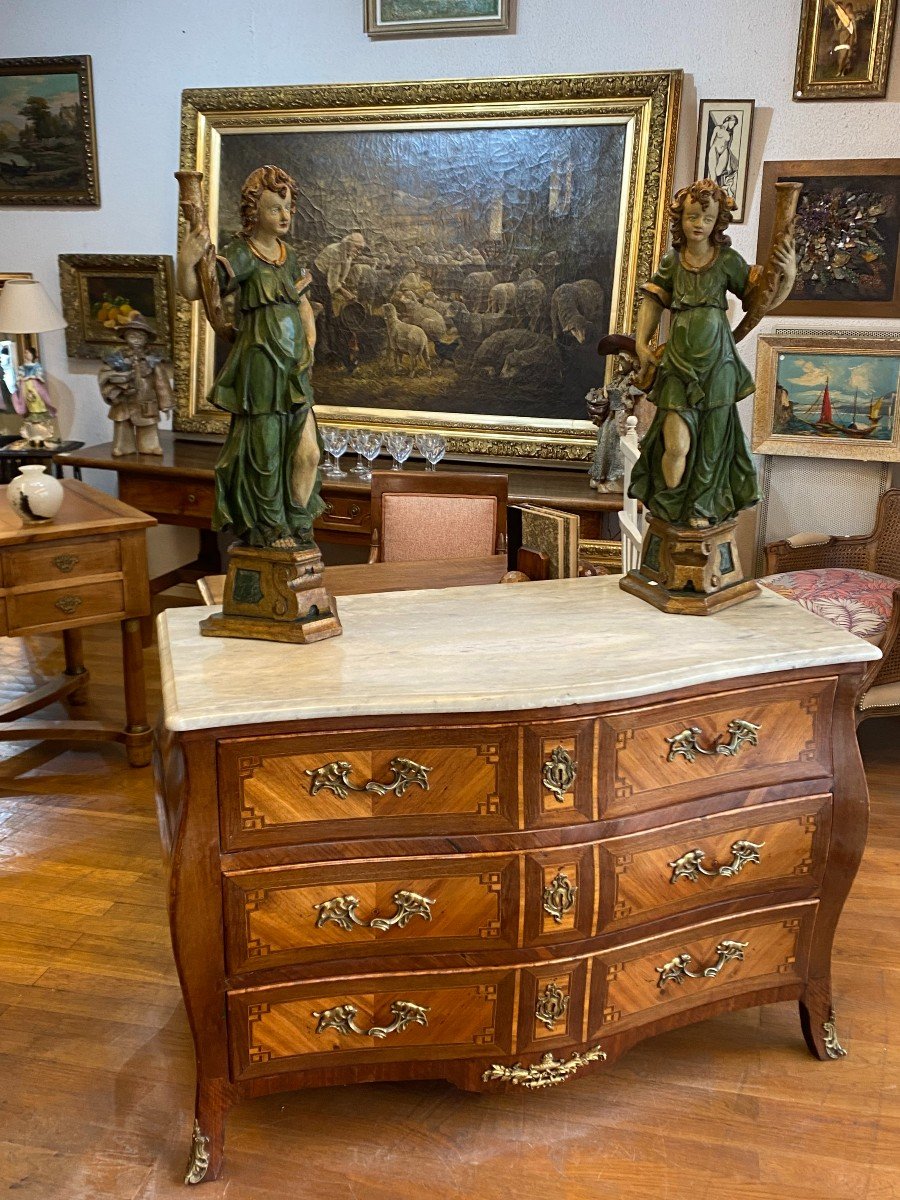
(367, 445)
(432, 447)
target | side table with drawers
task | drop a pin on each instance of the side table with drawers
(500, 853)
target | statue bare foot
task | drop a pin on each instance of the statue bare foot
(285, 543)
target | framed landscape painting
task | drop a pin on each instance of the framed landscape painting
(103, 292)
(510, 221)
(415, 18)
(844, 49)
(828, 398)
(848, 236)
(723, 148)
(48, 154)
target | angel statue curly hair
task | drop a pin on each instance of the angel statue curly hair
(705, 192)
(264, 179)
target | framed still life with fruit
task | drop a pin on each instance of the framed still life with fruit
(828, 397)
(473, 239)
(848, 236)
(103, 292)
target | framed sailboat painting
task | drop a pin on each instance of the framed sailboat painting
(828, 397)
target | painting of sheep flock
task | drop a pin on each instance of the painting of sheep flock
(462, 271)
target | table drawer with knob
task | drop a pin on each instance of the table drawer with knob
(697, 748)
(52, 563)
(75, 603)
(375, 1018)
(296, 789)
(650, 875)
(174, 502)
(352, 514)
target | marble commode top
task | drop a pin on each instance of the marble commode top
(488, 648)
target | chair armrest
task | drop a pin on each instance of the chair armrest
(809, 551)
(887, 669)
(808, 539)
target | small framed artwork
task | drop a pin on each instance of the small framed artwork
(848, 236)
(415, 18)
(844, 49)
(723, 148)
(103, 292)
(826, 397)
(48, 152)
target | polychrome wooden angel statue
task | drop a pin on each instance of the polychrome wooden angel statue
(267, 488)
(695, 467)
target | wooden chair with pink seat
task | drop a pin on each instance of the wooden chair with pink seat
(418, 515)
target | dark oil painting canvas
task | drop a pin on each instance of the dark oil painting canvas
(845, 30)
(46, 132)
(845, 397)
(484, 266)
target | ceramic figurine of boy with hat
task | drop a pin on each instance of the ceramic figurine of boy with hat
(137, 388)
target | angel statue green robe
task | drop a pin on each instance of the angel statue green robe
(265, 385)
(701, 377)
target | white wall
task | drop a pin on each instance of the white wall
(145, 53)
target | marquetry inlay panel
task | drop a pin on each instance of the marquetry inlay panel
(640, 876)
(640, 771)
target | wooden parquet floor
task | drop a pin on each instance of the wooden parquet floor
(96, 1067)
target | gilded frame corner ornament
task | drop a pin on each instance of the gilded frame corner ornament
(647, 103)
(74, 272)
(872, 85)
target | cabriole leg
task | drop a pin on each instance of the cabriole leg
(818, 1022)
(208, 1137)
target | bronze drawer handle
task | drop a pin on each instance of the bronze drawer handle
(333, 776)
(559, 773)
(690, 865)
(686, 743)
(677, 970)
(343, 1019)
(558, 896)
(68, 604)
(65, 562)
(342, 910)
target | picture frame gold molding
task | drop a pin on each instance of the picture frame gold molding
(648, 102)
(873, 87)
(450, 26)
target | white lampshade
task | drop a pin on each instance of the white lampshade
(26, 308)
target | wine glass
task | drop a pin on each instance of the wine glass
(335, 442)
(433, 447)
(356, 436)
(370, 448)
(399, 446)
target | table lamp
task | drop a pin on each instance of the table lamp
(25, 308)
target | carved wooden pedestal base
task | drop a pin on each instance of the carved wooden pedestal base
(276, 596)
(690, 571)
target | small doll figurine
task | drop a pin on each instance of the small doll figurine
(137, 389)
(32, 399)
(695, 468)
(608, 408)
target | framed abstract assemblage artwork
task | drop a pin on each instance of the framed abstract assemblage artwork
(473, 240)
(844, 49)
(828, 397)
(848, 236)
(415, 18)
(48, 153)
(723, 148)
(103, 292)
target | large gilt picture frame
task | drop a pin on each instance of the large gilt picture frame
(828, 397)
(508, 223)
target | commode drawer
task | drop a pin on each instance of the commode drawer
(747, 737)
(27, 565)
(371, 1019)
(646, 876)
(703, 962)
(315, 914)
(285, 790)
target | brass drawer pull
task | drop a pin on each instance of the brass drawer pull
(68, 604)
(690, 865)
(559, 773)
(343, 1019)
(333, 776)
(677, 970)
(547, 1073)
(65, 562)
(685, 743)
(551, 1005)
(558, 897)
(342, 910)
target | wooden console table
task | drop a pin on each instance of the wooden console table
(178, 489)
(498, 835)
(88, 566)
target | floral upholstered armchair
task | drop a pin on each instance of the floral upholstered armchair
(854, 582)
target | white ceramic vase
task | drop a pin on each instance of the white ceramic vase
(35, 496)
